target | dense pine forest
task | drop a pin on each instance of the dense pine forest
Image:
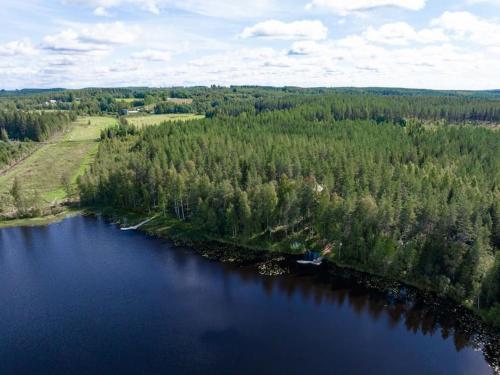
(34, 126)
(397, 184)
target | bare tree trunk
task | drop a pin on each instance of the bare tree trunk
(182, 210)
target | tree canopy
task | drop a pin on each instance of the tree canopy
(398, 198)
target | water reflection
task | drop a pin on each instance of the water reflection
(85, 287)
(416, 313)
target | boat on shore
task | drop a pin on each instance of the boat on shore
(315, 258)
(315, 262)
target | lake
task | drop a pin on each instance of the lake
(83, 297)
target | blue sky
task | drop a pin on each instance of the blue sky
(438, 44)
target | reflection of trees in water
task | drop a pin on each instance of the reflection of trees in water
(418, 314)
(425, 316)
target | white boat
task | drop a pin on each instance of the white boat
(315, 262)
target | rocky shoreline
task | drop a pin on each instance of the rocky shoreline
(446, 314)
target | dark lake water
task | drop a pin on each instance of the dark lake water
(83, 297)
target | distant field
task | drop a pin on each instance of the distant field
(180, 100)
(67, 154)
(128, 100)
(47, 110)
(148, 120)
(85, 132)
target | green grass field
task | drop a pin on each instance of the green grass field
(68, 154)
(148, 120)
(180, 100)
(128, 100)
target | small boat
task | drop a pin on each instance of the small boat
(315, 262)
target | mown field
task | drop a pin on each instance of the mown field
(180, 100)
(127, 100)
(173, 100)
(148, 120)
(68, 154)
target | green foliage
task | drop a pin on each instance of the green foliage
(27, 204)
(414, 202)
(492, 315)
(490, 295)
(121, 130)
(34, 126)
(12, 151)
(67, 184)
(168, 107)
(379, 104)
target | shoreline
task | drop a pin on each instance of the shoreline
(40, 220)
(270, 263)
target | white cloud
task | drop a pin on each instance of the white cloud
(101, 6)
(352, 61)
(109, 33)
(17, 48)
(342, 63)
(213, 8)
(305, 48)
(101, 12)
(468, 27)
(346, 6)
(273, 29)
(153, 55)
(68, 41)
(401, 34)
(96, 38)
(493, 2)
(457, 50)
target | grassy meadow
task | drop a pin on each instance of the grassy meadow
(180, 100)
(142, 121)
(67, 154)
(127, 100)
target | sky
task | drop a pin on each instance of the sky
(435, 44)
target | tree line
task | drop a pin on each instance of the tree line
(32, 125)
(169, 107)
(344, 106)
(377, 104)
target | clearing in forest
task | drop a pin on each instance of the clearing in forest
(65, 155)
(148, 120)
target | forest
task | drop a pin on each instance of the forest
(166, 107)
(404, 186)
(400, 183)
(31, 125)
(378, 104)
